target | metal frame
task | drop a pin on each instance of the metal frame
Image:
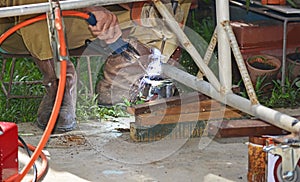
(222, 93)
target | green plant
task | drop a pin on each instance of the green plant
(261, 62)
(288, 95)
(204, 31)
(205, 27)
(259, 88)
(117, 110)
(294, 3)
(87, 108)
(20, 110)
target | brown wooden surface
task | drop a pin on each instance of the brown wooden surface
(194, 107)
(158, 105)
(152, 119)
(190, 111)
(242, 128)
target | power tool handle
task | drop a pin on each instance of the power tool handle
(92, 19)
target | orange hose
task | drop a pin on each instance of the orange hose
(44, 166)
(36, 19)
(61, 84)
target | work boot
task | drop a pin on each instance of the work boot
(66, 119)
(120, 74)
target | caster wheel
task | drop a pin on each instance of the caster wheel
(278, 172)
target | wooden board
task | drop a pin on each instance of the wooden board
(158, 105)
(195, 111)
(242, 128)
(149, 119)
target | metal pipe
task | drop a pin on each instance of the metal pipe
(211, 47)
(88, 60)
(65, 5)
(209, 52)
(224, 53)
(283, 68)
(240, 62)
(271, 116)
(186, 43)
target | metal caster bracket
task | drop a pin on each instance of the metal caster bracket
(290, 154)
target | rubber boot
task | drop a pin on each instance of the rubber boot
(67, 119)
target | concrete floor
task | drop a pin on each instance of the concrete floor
(96, 151)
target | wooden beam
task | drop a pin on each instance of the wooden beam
(152, 119)
(160, 104)
(242, 128)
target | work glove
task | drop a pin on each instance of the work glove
(107, 27)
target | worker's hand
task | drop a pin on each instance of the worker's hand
(107, 27)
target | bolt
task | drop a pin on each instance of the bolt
(288, 175)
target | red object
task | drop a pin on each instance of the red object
(8, 150)
(263, 37)
(273, 2)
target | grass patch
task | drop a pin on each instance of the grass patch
(20, 110)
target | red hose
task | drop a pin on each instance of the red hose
(61, 84)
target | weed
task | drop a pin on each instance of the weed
(204, 32)
(286, 96)
(281, 96)
(87, 108)
(259, 88)
(20, 110)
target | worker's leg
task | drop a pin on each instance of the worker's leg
(67, 119)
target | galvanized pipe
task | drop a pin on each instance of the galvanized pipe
(186, 43)
(224, 53)
(65, 5)
(271, 116)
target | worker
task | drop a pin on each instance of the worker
(34, 40)
(143, 22)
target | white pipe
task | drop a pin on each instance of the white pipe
(224, 53)
(186, 43)
(271, 116)
(65, 5)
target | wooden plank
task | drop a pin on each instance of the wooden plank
(166, 103)
(242, 128)
(194, 107)
(152, 119)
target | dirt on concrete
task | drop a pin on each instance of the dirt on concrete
(103, 151)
